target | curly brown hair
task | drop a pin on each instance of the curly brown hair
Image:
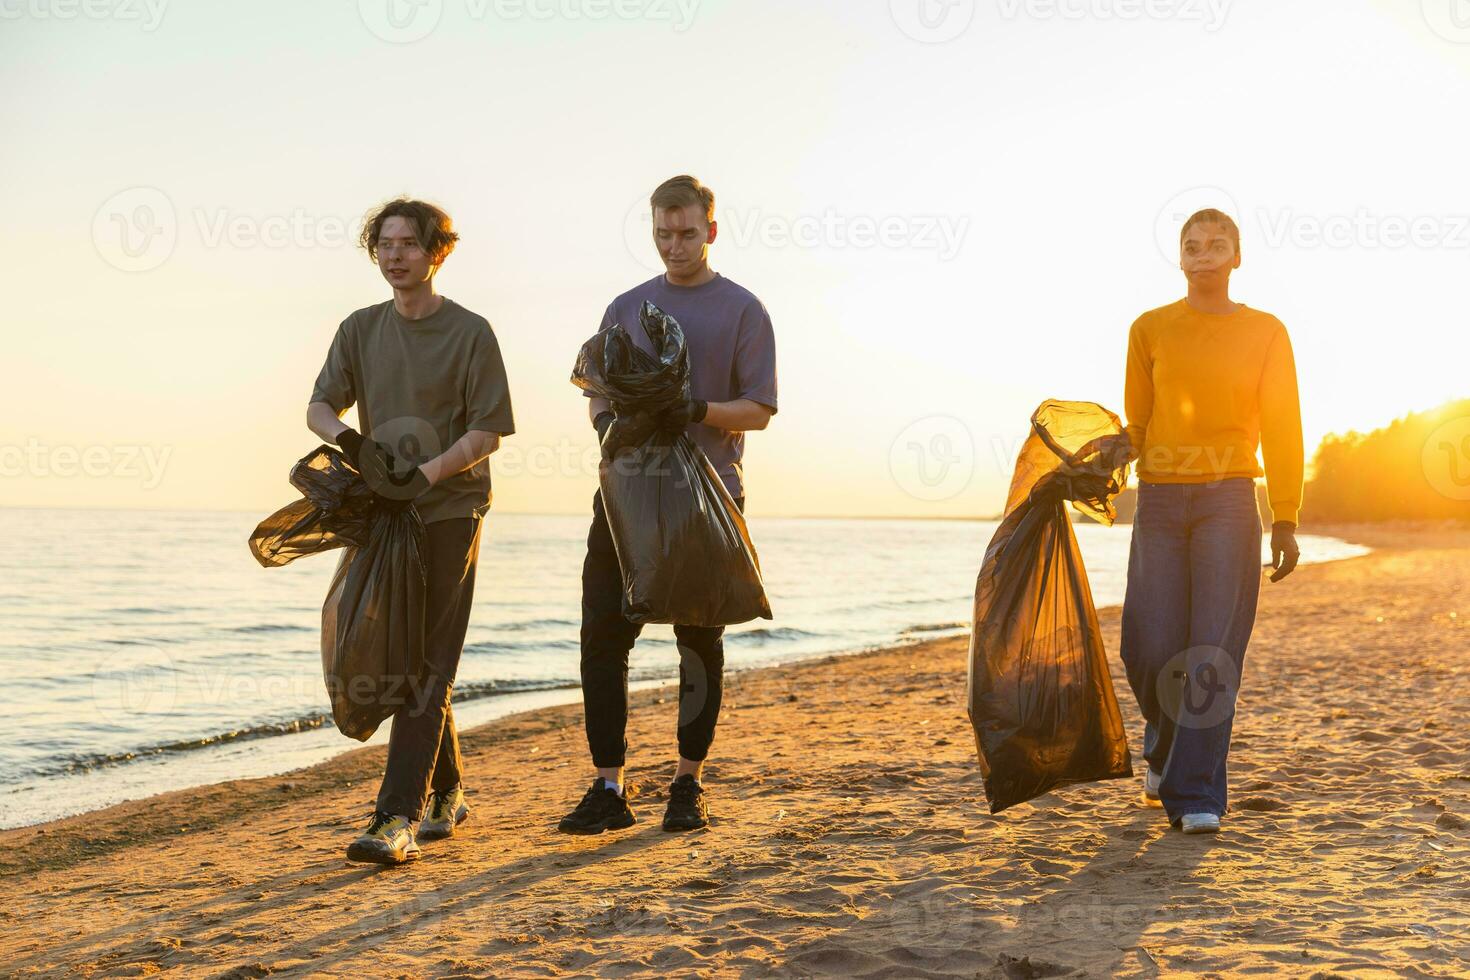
(432, 228)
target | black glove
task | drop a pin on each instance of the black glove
(601, 423)
(394, 490)
(1284, 552)
(351, 442)
(627, 432)
(676, 418)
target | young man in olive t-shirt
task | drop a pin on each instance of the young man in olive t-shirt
(433, 402)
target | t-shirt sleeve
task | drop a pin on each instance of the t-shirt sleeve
(608, 319)
(755, 357)
(336, 384)
(487, 392)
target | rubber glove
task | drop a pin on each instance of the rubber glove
(677, 418)
(1284, 552)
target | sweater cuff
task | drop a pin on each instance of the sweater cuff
(1285, 512)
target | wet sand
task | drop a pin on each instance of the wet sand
(851, 835)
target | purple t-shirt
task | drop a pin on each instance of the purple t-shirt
(732, 354)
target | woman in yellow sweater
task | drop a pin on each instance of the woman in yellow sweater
(1208, 381)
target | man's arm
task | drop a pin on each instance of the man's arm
(740, 415)
(468, 450)
(325, 423)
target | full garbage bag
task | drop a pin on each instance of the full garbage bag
(1040, 696)
(372, 636)
(682, 544)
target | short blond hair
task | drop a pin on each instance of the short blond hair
(682, 191)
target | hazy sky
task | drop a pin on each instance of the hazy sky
(952, 208)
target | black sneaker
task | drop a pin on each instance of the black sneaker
(686, 810)
(601, 809)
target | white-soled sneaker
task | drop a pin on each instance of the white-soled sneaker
(1151, 783)
(446, 811)
(1199, 823)
(387, 840)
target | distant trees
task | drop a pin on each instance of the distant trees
(1416, 468)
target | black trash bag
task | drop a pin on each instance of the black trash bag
(1040, 696)
(373, 617)
(682, 544)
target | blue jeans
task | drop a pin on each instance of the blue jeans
(1194, 573)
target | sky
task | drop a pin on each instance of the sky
(953, 210)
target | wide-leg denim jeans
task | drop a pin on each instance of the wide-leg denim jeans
(1194, 574)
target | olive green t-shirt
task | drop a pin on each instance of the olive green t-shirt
(419, 385)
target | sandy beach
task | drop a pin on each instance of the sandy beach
(851, 836)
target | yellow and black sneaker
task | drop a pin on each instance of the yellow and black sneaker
(446, 811)
(387, 840)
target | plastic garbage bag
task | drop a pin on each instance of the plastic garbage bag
(373, 618)
(683, 547)
(1040, 696)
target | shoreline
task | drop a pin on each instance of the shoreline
(280, 747)
(850, 834)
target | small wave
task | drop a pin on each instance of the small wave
(934, 628)
(522, 646)
(273, 628)
(305, 723)
(535, 624)
(924, 600)
(768, 634)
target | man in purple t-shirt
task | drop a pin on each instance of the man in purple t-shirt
(732, 362)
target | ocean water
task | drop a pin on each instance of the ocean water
(145, 651)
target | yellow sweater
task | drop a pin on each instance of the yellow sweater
(1204, 390)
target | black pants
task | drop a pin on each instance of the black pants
(423, 748)
(607, 640)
